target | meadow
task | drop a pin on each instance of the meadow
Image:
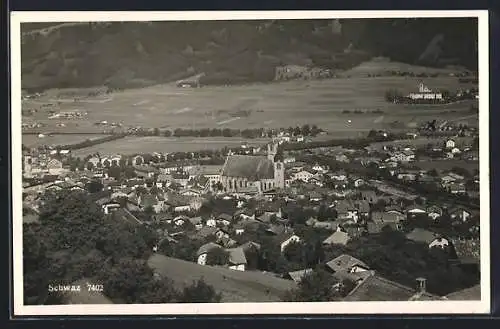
(55, 140)
(330, 104)
(133, 145)
(235, 286)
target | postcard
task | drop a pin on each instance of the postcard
(264, 162)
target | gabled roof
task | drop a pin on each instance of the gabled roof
(237, 256)
(284, 236)
(337, 237)
(345, 262)
(207, 247)
(195, 220)
(377, 288)
(247, 166)
(421, 235)
(127, 216)
(224, 216)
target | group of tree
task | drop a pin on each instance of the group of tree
(74, 240)
(250, 133)
(319, 286)
(394, 257)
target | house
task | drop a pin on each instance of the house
(55, 167)
(434, 212)
(388, 216)
(377, 288)
(316, 180)
(328, 225)
(338, 237)
(338, 175)
(297, 276)
(403, 156)
(211, 222)
(180, 220)
(202, 253)
(197, 222)
(239, 228)
(457, 188)
(320, 169)
(460, 214)
(347, 210)
(221, 234)
(303, 175)
(286, 238)
(224, 219)
(348, 264)
(427, 237)
(415, 211)
(408, 177)
(190, 192)
(237, 259)
(450, 143)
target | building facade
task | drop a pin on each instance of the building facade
(242, 173)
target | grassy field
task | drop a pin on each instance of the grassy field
(235, 286)
(132, 145)
(270, 105)
(34, 141)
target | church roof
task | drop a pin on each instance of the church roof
(248, 166)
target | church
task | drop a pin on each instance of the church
(253, 174)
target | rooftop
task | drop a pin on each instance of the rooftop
(247, 166)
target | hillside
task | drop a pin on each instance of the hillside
(136, 54)
(235, 286)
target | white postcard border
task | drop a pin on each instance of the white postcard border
(389, 307)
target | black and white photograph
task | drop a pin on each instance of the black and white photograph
(250, 162)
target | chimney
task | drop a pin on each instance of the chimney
(421, 282)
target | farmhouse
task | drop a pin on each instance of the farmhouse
(243, 171)
(424, 236)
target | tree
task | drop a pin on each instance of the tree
(217, 256)
(199, 292)
(318, 286)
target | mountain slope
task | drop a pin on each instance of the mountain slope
(133, 54)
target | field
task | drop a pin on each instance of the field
(131, 145)
(442, 165)
(235, 286)
(34, 141)
(265, 105)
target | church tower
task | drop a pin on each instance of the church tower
(279, 167)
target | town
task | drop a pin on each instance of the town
(382, 218)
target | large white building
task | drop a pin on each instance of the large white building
(425, 93)
(249, 173)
